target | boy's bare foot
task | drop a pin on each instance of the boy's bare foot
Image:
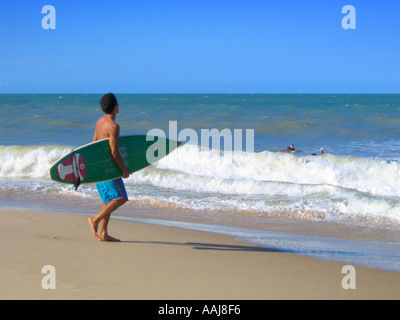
(94, 226)
(106, 237)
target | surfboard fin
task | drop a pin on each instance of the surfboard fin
(77, 183)
(75, 167)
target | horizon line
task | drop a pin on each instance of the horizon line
(201, 93)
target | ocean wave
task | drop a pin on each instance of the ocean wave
(262, 173)
(324, 187)
(337, 188)
(258, 171)
(29, 162)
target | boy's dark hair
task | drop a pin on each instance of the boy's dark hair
(108, 103)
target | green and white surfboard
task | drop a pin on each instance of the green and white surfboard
(93, 162)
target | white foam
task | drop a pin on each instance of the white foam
(377, 177)
(338, 188)
(18, 162)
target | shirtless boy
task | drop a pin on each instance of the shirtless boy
(112, 193)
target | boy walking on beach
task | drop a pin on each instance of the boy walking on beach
(112, 193)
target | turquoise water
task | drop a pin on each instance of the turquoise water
(355, 183)
(358, 125)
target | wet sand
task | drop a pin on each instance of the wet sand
(158, 262)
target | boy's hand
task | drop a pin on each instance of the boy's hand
(126, 174)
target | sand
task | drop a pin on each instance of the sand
(158, 263)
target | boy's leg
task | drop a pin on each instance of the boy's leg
(104, 216)
(104, 222)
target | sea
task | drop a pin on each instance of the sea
(340, 205)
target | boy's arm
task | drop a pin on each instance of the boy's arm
(114, 134)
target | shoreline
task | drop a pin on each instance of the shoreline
(372, 247)
(164, 262)
(317, 227)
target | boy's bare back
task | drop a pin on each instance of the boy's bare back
(106, 127)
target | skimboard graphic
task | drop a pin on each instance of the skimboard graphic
(93, 162)
(72, 168)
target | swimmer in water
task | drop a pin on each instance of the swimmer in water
(322, 151)
(290, 149)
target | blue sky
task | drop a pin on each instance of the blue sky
(199, 46)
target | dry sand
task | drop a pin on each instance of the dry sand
(157, 262)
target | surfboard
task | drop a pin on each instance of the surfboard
(93, 163)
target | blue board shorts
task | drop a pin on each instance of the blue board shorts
(112, 190)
